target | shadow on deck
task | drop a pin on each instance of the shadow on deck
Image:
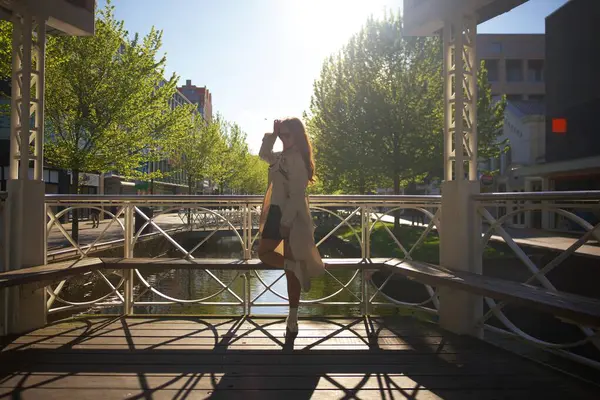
(247, 358)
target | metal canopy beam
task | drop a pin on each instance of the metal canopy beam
(70, 17)
(426, 17)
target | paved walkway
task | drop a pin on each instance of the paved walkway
(87, 234)
(530, 237)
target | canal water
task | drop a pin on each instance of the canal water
(190, 284)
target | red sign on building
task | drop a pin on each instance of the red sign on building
(559, 126)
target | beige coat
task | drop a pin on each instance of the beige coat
(295, 211)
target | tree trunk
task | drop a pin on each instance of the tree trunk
(396, 192)
(361, 185)
(75, 212)
(189, 210)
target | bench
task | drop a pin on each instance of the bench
(65, 269)
(579, 309)
(568, 306)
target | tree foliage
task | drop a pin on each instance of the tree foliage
(5, 49)
(376, 114)
(255, 176)
(199, 154)
(107, 102)
(107, 105)
(230, 170)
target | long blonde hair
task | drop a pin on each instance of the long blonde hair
(302, 141)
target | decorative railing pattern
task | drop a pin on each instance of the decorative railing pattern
(357, 216)
(498, 211)
(360, 220)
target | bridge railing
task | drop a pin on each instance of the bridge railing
(185, 227)
(541, 232)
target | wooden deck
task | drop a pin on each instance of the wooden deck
(248, 358)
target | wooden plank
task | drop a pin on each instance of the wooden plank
(308, 328)
(234, 264)
(274, 382)
(52, 272)
(259, 343)
(432, 367)
(116, 357)
(133, 357)
(220, 333)
(386, 393)
(49, 272)
(583, 310)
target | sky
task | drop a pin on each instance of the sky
(260, 58)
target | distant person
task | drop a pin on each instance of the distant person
(95, 215)
(417, 217)
(285, 215)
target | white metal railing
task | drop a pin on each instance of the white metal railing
(498, 212)
(357, 215)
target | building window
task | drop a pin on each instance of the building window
(514, 70)
(535, 70)
(537, 97)
(492, 70)
(496, 47)
(514, 97)
(54, 176)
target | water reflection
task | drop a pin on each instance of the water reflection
(198, 284)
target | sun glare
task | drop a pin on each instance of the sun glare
(328, 24)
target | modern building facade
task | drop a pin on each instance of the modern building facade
(515, 64)
(573, 98)
(524, 128)
(572, 153)
(200, 96)
(573, 87)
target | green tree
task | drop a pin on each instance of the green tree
(107, 103)
(5, 49)
(490, 119)
(376, 115)
(340, 132)
(255, 176)
(5, 64)
(230, 170)
(200, 152)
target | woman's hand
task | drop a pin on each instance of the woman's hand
(284, 231)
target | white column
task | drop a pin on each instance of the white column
(27, 234)
(460, 99)
(546, 215)
(461, 228)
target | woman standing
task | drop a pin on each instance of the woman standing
(285, 215)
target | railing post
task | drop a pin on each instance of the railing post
(247, 231)
(460, 237)
(460, 232)
(365, 292)
(365, 232)
(128, 253)
(248, 293)
(26, 304)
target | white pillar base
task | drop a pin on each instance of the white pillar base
(26, 306)
(459, 250)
